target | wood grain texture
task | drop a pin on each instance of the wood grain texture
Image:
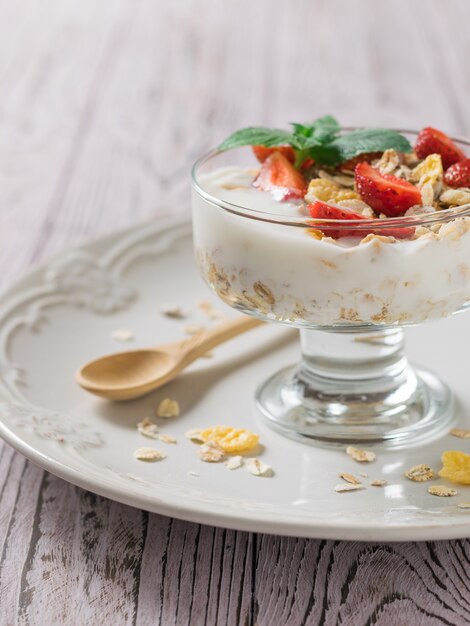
(103, 107)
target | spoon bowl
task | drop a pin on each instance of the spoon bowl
(131, 374)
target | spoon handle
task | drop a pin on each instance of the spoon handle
(203, 342)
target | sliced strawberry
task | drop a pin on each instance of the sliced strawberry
(322, 211)
(432, 141)
(385, 193)
(350, 164)
(262, 153)
(279, 176)
(458, 174)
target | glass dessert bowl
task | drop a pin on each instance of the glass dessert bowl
(349, 256)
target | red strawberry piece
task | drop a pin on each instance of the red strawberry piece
(432, 141)
(458, 174)
(262, 153)
(350, 164)
(322, 211)
(385, 193)
(279, 176)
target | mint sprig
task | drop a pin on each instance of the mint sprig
(320, 140)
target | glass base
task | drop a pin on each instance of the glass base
(364, 393)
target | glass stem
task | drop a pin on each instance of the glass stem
(352, 362)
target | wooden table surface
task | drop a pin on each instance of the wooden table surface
(103, 107)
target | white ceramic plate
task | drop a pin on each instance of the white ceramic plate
(63, 314)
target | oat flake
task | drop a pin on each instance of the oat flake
(348, 487)
(420, 473)
(378, 482)
(149, 454)
(460, 433)
(234, 462)
(194, 434)
(166, 438)
(350, 478)
(464, 505)
(173, 311)
(258, 468)
(209, 310)
(211, 452)
(122, 334)
(361, 456)
(147, 428)
(441, 491)
(168, 408)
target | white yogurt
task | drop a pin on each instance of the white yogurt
(287, 274)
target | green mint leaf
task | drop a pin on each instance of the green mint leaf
(257, 136)
(369, 140)
(325, 155)
(320, 131)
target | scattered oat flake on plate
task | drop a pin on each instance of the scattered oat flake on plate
(194, 434)
(194, 474)
(166, 438)
(173, 311)
(364, 475)
(209, 310)
(378, 482)
(147, 428)
(122, 334)
(194, 329)
(350, 478)
(234, 462)
(168, 408)
(361, 456)
(258, 468)
(461, 433)
(211, 452)
(441, 491)
(149, 454)
(348, 487)
(420, 473)
(464, 505)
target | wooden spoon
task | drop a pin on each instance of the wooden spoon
(127, 375)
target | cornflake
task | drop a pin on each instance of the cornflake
(350, 478)
(230, 439)
(258, 468)
(148, 429)
(420, 473)
(166, 438)
(361, 456)
(456, 467)
(168, 408)
(194, 434)
(378, 482)
(149, 454)
(211, 452)
(441, 491)
(348, 487)
(234, 462)
(122, 334)
(460, 433)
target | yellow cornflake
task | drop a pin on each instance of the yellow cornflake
(428, 171)
(456, 467)
(230, 439)
(328, 191)
(168, 408)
